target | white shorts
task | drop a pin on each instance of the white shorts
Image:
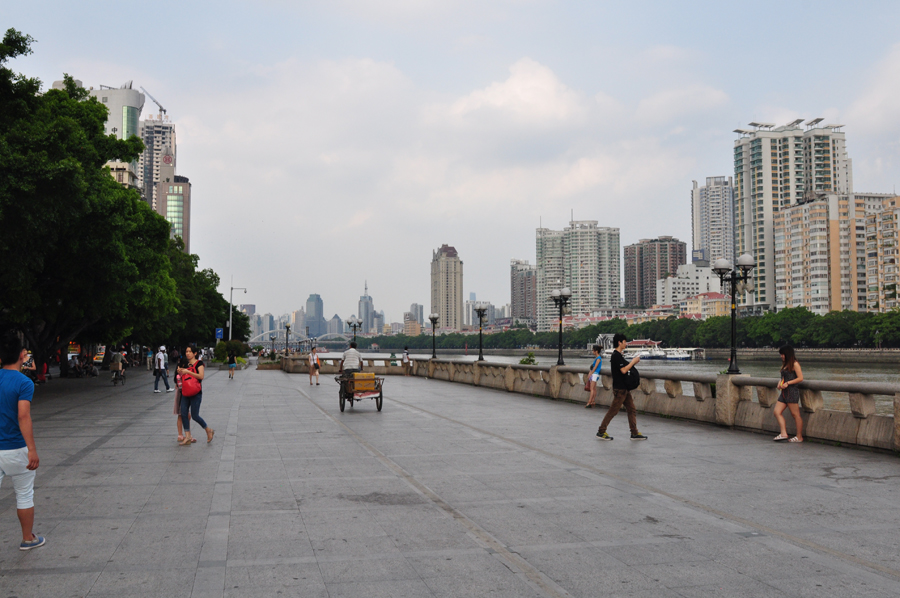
(14, 464)
(595, 377)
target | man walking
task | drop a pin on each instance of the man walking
(162, 369)
(18, 453)
(621, 394)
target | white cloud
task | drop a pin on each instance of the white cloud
(877, 107)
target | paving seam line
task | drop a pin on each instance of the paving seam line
(687, 501)
(514, 562)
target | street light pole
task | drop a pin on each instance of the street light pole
(480, 310)
(738, 277)
(230, 306)
(434, 320)
(354, 325)
(561, 298)
(287, 337)
(272, 338)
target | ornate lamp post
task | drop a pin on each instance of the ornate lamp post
(354, 324)
(561, 298)
(230, 306)
(480, 309)
(739, 278)
(287, 338)
(434, 320)
(272, 338)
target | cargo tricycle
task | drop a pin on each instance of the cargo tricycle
(358, 386)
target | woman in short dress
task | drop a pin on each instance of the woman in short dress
(190, 406)
(594, 375)
(791, 376)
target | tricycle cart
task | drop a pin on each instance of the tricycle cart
(358, 386)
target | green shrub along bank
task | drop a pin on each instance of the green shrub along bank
(797, 326)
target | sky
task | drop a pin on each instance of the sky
(336, 143)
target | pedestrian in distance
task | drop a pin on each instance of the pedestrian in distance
(594, 375)
(407, 365)
(621, 393)
(791, 376)
(232, 365)
(18, 454)
(192, 395)
(162, 369)
(314, 366)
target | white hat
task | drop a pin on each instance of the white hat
(162, 348)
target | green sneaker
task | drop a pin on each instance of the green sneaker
(604, 436)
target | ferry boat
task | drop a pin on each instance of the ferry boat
(678, 355)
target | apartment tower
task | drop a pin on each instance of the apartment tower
(647, 261)
(775, 167)
(447, 287)
(712, 219)
(523, 290)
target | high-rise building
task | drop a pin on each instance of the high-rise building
(882, 230)
(418, 311)
(298, 320)
(583, 257)
(173, 202)
(378, 322)
(248, 308)
(315, 320)
(160, 148)
(523, 290)
(411, 326)
(647, 261)
(447, 287)
(775, 167)
(123, 120)
(335, 325)
(367, 312)
(268, 323)
(712, 223)
(816, 254)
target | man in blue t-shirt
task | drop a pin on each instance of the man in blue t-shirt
(18, 454)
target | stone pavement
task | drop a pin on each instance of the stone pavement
(449, 491)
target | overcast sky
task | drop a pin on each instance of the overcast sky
(334, 142)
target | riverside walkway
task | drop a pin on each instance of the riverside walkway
(451, 490)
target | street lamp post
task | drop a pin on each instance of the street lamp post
(230, 307)
(272, 338)
(481, 309)
(434, 320)
(287, 337)
(561, 298)
(739, 278)
(354, 325)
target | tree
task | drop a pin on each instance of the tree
(79, 251)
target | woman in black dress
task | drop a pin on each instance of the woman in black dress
(791, 376)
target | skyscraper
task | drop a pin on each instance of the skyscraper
(315, 321)
(366, 312)
(447, 287)
(158, 134)
(523, 290)
(123, 120)
(173, 199)
(418, 312)
(583, 257)
(647, 261)
(775, 168)
(712, 211)
(248, 308)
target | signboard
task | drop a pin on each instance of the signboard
(220, 333)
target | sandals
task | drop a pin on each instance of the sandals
(780, 438)
(795, 439)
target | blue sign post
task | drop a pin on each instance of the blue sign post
(220, 333)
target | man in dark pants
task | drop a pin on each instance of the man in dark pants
(621, 394)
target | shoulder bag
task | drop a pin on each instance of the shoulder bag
(190, 386)
(633, 378)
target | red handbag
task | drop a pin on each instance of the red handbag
(190, 386)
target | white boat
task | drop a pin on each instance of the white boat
(678, 355)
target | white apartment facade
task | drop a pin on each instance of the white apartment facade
(882, 230)
(447, 287)
(689, 280)
(712, 218)
(775, 167)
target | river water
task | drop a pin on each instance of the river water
(838, 372)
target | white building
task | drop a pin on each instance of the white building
(583, 257)
(158, 134)
(447, 287)
(689, 280)
(712, 211)
(775, 168)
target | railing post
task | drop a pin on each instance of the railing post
(728, 395)
(476, 373)
(509, 378)
(702, 391)
(861, 405)
(673, 388)
(767, 396)
(431, 366)
(811, 400)
(555, 381)
(648, 386)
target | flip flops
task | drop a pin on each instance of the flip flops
(780, 438)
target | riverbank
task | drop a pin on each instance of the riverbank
(886, 356)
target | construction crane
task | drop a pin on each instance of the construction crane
(161, 109)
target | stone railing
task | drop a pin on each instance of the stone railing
(719, 399)
(331, 363)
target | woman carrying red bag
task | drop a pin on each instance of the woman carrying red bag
(192, 394)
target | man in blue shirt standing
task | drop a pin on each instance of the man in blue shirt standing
(18, 454)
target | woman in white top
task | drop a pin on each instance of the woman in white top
(313, 366)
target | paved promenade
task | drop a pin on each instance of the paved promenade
(449, 491)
